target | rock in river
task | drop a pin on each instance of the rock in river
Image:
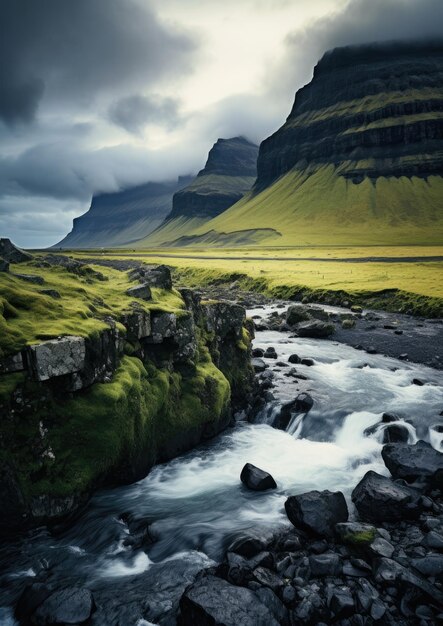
(380, 499)
(412, 462)
(317, 511)
(255, 478)
(315, 329)
(212, 601)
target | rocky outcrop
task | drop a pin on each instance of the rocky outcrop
(115, 219)
(105, 407)
(57, 357)
(12, 254)
(378, 104)
(414, 462)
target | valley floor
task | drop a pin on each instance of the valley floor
(399, 278)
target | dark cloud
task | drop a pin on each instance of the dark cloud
(133, 113)
(359, 22)
(78, 50)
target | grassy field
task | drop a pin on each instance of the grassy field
(415, 286)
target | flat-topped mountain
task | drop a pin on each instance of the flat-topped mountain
(229, 173)
(116, 219)
(376, 109)
(359, 158)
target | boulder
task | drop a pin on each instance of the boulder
(248, 545)
(31, 278)
(342, 603)
(258, 352)
(141, 291)
(66, 606)
(303, 403)
(294, 358)
(327, 564)
(259, 365)
(56, 357)
(317, 511)
(4, 266)
(159, 276)
(12, 254)
(270, 353)
(355, 533)
(224, 318)
(163, 326)
(212, 601)
(429, 565)
(307, 362)
(296, 314)
(137, 323)
(256, 479)
(316, 329)
(412, 462)
(379, 499)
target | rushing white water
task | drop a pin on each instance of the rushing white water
(195, 505)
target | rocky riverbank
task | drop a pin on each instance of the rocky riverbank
(102, 375)
(385, 567)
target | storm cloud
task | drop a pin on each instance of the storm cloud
(80, 50)
(133, 113)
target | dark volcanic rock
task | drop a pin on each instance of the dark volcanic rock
(303, 403)
(212, 601)
(316, 329)
(12, 254)
(256, 479)
(4, 265)
(317, 511)
(66, 606)
(139, 291)
(379, 499)
(411, 462)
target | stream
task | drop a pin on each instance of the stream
(196, 505)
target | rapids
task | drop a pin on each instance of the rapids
(195, 505)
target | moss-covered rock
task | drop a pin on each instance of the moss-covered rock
(139, 394)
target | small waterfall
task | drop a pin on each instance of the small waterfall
(268, 414)
(295, 425)
(412, 434)
(436, 436)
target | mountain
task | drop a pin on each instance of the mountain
(359, 159)
(229, 173)
(115, 219)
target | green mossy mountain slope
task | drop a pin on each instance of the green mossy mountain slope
(358, 161)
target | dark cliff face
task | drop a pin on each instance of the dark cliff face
(378, 105)
(229, 173)
(119, 218)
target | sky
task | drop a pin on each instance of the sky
(99, 95)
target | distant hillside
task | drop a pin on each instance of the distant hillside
(358, 160)
(229, 173)
(116, 219)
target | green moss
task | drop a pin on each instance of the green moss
(8, 384)
(28, 316)
(361, 537)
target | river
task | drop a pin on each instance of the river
(196, 505)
